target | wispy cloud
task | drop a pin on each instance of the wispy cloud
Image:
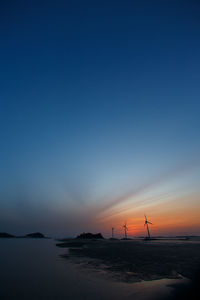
(124, 198)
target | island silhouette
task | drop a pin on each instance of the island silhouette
(6, 235)
(89, 235)
(29, 235)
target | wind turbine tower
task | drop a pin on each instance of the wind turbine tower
(146, 223)
(113, 232)
(125, 230)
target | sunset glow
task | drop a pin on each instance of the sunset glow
(100, 118)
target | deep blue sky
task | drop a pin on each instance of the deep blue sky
(97, 97)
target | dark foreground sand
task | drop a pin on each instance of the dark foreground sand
(137, 260)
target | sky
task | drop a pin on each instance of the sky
(99, 116)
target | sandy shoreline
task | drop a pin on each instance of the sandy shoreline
(112, 288)
(154, 270)
(133, 261)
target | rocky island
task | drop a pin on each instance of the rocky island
(35, 235)
(6, 235)
(29, 235)
(89, 235)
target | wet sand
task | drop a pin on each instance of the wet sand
(133, 261)
(159, 269)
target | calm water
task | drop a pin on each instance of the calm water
(33, 269)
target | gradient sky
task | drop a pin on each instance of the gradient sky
(99, 116)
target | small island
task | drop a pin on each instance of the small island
(84, 238)
(6, 235)
(89, 235)
(29, 235)
(35, 235)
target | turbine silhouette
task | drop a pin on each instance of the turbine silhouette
(113, 232)
(125, 230)
(146, 223)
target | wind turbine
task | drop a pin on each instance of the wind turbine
(125, 230)
(146, 223)
(113, 232)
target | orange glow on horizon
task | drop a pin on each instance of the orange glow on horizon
(175, 217)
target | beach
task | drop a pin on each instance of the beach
(150, 266)
(136, 260)
(37, 269)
